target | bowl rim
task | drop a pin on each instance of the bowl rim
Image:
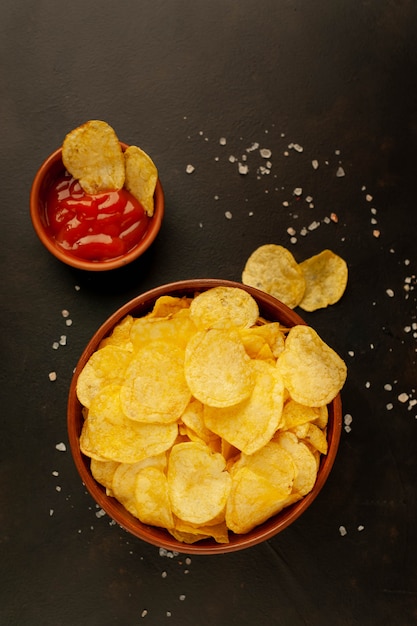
(160, 537)
(54, 160)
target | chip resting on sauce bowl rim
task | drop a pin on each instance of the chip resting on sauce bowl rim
(212, 463)
(84, 208)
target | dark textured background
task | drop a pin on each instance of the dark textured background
(339, 78)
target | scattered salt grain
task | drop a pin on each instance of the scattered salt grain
(243, 169)
(351, 353)
(61, 446)
(314, 225)
(403, 397)
(388, 387)
(232, 158)
(298, 191)
(100, 513)
(360, 528)
(51, 512)
(265, 153)
(77, 287)
(63, 340)
(65, 313)
(68, 322)
(376, 233)
(334, 217)
(368, 197)
(144, 613)
(228, 215)
(164, 574)
(389, 406)
(52, 376)
(55, 345)
(390, 293)
(182, 597)
(315, 164)
(190, 169)
(340, 172)
(291, 231)
(222, 141)
(342, 531)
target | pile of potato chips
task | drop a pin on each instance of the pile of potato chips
(313, 284)
(201, 417)
(92, 154)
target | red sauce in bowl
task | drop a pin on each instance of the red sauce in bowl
(94, 227)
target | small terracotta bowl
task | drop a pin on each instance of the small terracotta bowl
(49, 171)
(272, 310)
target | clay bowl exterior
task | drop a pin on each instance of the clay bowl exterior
(48, 172)
(272, 310)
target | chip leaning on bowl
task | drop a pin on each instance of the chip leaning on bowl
(201, 417)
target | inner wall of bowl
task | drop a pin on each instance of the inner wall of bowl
(270, 309)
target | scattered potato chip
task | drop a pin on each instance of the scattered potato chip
(273, 269)
(92, 154)
(107, 365)
(250, 424)
(141, 177)
(198, 483)
(313, 373)
(326, 276)
(217, 369)
(224, 307)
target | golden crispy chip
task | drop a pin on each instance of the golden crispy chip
(107, 365)
(109, 435)
(103, 472)
(326, 276)
(295, 414)
(323, 416)
(141, 177)
(313, 373)
(258, 339)
(193, 418)
(166, 306)
(155, 389)
(217, 369)
(198, 483)
(177, 328)
(304, 460)
(313, 435)
(252, 500)
(189, 533)
(273, 463)
(120, 335)
(92, 154)
(152, 499)
(250, 424)
(273, 269)
(224, 307)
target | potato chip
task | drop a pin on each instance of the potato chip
(250, 424)
(326, 276)
(313, 435)
(258, 339)
(273, 463)
(141, 177)
(92, 154)
(224, 307)
(295, 414)
(107, 434)
(155, 389)
(177, 328)
(152, 498)
(106, 365)
(304, 461)
(217, 369)
(313, 373)
(103, 472)
(193, 418)
(189, 533)
(120, 336)
(273, 269)
(253, 499)
(198, 483)
(166, 306)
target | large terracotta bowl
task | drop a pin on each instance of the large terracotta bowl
(272, 310)
(51, 169)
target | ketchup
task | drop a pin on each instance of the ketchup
(94, 227)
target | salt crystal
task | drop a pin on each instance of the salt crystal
(348, 419)
(376, 233)
(190, 169)
(309, 199)
(390, 293)
(51, 512)
(77, 287)
(182, 597)
(340, 172)
(291, 231)
(55, 345)
(389, 406)
(403, 397)
(368, 197)
(334, 217)
(232, 158)
(63, 340)
(388, 387)
(298, 148)
(315, 164)
(243, 169)
(342, 531)
(65, 313)
(52, 376)
(360, 528)
(298, 191)
(144, 613)
(265, 153)
(228, 215)
(314, 225)
(61, 447)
